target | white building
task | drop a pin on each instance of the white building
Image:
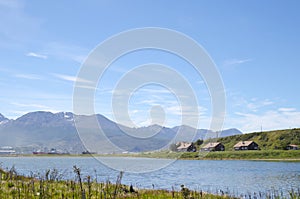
(7, 150)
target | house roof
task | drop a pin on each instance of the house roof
(293, 145)
(211, 145)
(183, 145)
(243, 143)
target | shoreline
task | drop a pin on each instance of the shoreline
(148, 156)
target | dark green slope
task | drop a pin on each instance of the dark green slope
(268, 140)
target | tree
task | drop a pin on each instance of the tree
(199, 142)
(173, 147)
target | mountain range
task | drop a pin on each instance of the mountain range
(66, 131)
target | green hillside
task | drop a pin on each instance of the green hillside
(272, 146)
(268, 140)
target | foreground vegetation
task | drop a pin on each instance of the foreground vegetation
(51, 185)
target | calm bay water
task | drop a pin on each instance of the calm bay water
(239, 177)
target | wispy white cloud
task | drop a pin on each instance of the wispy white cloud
(286, 109)
(173, 106)
(131, 112)
(256, 104)
(92, 88)
(28, 76)
(39, 106)
(71, 78)
(186, 110)
(14, 114)
(232, 62)
(174, 110)
(155, 91)
(200, 82)
(66, 51)
(32, 54)
(252, 105)
(151, 102)
(249, 115)
(268, 120)
(117, 69)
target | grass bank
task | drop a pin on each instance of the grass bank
(282, 155)
(274, 155)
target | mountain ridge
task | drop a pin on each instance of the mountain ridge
(42, 129)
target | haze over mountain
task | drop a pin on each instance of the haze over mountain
(39, 130)
(2, 118)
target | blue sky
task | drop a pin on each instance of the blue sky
(254, 44)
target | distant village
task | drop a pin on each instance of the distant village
(218, 146)
(178, 147)
(8, 150)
